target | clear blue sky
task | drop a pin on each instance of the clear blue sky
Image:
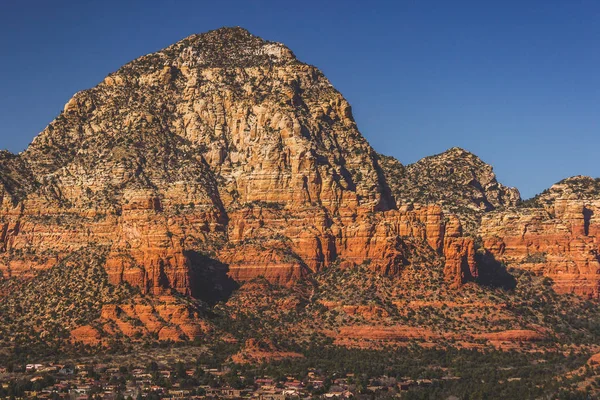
(515, 82)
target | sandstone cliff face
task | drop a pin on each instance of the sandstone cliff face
(220, 149)
(313, 242)
(555, 234)
(460, 266)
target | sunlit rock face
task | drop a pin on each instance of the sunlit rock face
(555, 234)
(222, 144)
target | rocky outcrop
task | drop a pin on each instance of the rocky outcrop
(459, 251)
(556, 234)
(166, 318)
(372, 336)
(376, 238)
(457, 180)
(256, 352)
(86, 334)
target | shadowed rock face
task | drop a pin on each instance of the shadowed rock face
(221, 152)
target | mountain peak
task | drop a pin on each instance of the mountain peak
(228, 30)
(577, 179)
(456, 152)
(575, 187)
(456, 179)
(220, 48)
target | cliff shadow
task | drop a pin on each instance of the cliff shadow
(388, 200)
(587, 217)
(492, 273)
(209, 280)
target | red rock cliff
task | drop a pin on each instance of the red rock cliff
(557, 236)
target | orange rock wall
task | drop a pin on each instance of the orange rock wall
(560, 242)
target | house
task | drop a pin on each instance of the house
(212, 392)
(375, 388)
(317, 383)
(81, 390)
(220, 373)
(66, 370)
(61, 386)
(179, 394)
(339, 394)
(139, 374)
(264, 382)
(271, 396)
(294, 384)
(231, 393)
(33, 367)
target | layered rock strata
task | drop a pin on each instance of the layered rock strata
(556, 234)
(222, 152)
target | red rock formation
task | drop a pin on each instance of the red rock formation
(316, 242)
(514, 335)
(255, 352)
(246, 157)
(164, 317)
(559, 238)
(459, 251)
(87, 335)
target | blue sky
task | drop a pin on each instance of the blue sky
(515, 82)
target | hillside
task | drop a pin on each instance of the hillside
(219, 193)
